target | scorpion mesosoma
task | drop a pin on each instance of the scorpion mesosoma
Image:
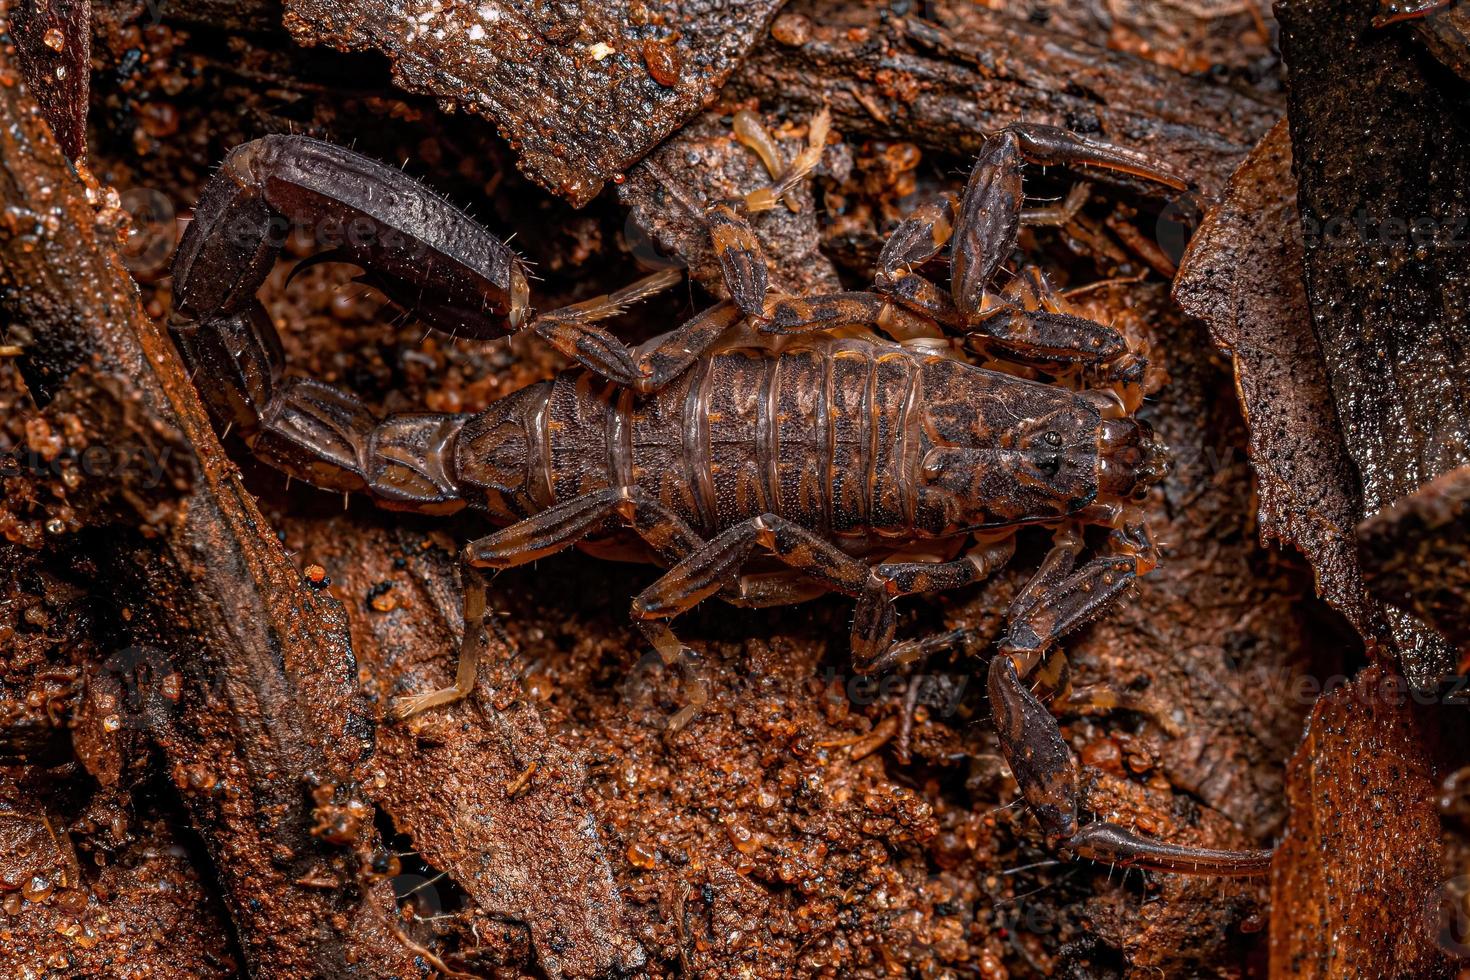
(767, 428)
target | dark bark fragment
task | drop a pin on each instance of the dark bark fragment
(567, 83)
(230, 15)
(1353, 888)
(946, 83)
(1243, 276)
(1382, 158)
(1446, 33)
(53, 43)
(533, 858)
(210, 586)
(1414, 555)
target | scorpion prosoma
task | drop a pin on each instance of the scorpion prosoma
(766, 429)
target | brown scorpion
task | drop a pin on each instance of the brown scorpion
(766, 432)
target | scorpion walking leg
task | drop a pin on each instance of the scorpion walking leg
(538, 536)
(1055, 566)
(716, 566)
(564, 524)
(873, 621)
(471, 650)
(916, 240)
(1031, 741)
(744, 268)
(743, 264)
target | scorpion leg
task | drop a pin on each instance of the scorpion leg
(742, 261)
(1042, 338)
(560, 526)
(1056, 566)
(671, 354)
(716, 566)
(538, 536)
(822, 314)
(916, 240)
(645, 370)
(840, 314)
(1031, 741)
(743, 266)
(471, 650)
(873, 621)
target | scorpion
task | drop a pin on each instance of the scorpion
(769, 449)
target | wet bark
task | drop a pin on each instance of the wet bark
(209, 585)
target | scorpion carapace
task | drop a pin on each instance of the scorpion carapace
(844, 440)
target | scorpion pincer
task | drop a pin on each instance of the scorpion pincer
(769, 449)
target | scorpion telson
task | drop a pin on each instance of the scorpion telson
(767, 450)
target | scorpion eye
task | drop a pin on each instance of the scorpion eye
(1049, 464)
(1052, 437)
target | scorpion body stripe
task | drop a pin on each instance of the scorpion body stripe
(851, 370)
(618, 406)
(696, 446)
(829, 433)
(768, 437)
(909, 449)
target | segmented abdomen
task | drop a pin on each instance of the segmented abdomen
(817, 434)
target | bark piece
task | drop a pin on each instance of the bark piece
(1414, 555)
(1192, 37)
(1243, 276)
(210, 587)
(1382, 158)
(53, 43)
(1446, 33)
(946, 83)
(1362, 848)
(534, 857)
(583, 90)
